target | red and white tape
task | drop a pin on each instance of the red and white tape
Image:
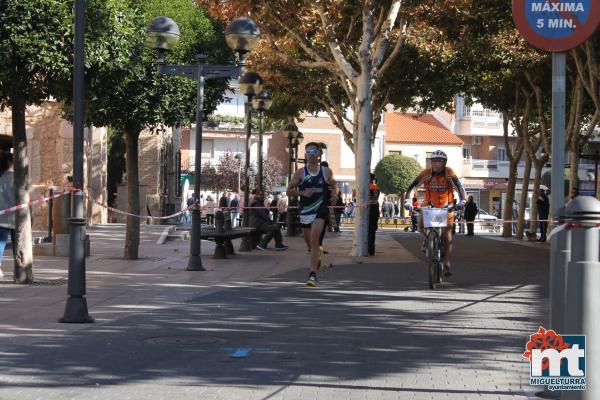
(42, 199)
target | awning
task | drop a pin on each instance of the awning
(473, 186)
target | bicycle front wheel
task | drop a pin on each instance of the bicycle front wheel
(432, 261)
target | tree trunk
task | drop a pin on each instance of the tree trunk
(510, 195)
(363, 162)
(23, 254)
(523, 199)
(132, 235)
(574, 161)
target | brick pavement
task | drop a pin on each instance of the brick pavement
(371, 330)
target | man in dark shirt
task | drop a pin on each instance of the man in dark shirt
(373, 213)
(470, 213)
(259, 219)
(543, 212)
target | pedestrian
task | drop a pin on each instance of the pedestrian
(515, 216)
(235, 210)
(282, 205)
(339, 210)
(209, 208)
(387, 209)
(469, 214)
(274, 209)
(374, 193)
(186, 215)
(543, 204)
(7, 200)
(259, 219)
(350, 209)
(312, 184)
(267, 203)
(414, 221)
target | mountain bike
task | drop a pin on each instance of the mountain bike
(434, 220)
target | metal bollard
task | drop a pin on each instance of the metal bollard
(558, 277)
(583, 296)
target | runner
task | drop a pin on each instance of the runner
(312, 184)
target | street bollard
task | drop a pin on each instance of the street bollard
(558, 279)
(583, 296)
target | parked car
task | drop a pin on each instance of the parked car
(488, 221)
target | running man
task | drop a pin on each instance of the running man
(312, 184)
(439, 182)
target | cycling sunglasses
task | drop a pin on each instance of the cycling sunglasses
(312, 151)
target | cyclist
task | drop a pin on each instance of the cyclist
(439, 182)
(312, 184)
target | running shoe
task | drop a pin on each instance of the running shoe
(312, 279)
(447, 272)
(261, 247)
(281, 247)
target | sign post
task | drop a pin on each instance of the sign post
(557, 26)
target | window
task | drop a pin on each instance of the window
(395, 152)
(208, 148)
(501, 154)
(466, 151)
(476, 140)
(428, 159)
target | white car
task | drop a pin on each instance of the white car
(483, 215)
(487, 221)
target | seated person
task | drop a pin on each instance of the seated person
(259, 219)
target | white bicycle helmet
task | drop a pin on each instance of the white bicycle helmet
(439, 154)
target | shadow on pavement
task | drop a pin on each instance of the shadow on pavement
(361, 328)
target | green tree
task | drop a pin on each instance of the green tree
(33, 37)
(129, 95)
(351, 59)
(395, 173)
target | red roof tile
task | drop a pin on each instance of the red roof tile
(412, 128)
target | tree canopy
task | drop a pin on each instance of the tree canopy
(396, 172)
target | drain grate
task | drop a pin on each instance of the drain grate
(186, 340)
(39, 282)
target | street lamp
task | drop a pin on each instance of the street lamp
(297, 142)
(261, 103)
(239, 158)
(76, 310)
(291, 132)
(250, 84)
(241, 35)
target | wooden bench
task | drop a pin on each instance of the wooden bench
(222, 234)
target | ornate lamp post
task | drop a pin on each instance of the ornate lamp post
(239, 158)
(76, 310)
(297, 142)
(250, 84)
(241, 35)
(261, 103)
(291, 131)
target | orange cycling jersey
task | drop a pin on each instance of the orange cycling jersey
(439, 188)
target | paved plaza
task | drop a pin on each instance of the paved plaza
(248, 327)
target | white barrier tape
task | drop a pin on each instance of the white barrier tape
(42, 199)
